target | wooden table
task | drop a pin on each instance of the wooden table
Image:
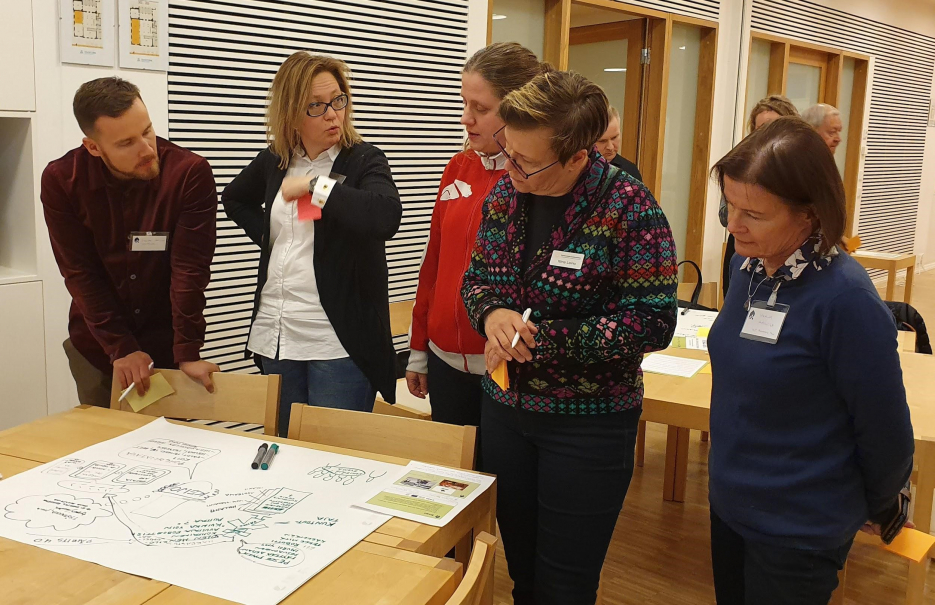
(392, 565)
(891, 263)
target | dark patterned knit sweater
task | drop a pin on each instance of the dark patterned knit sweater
(595, 323)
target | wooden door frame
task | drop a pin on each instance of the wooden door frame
(621, 30)
(831, 61)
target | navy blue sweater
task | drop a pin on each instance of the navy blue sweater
(810, 437)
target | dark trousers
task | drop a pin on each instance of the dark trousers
(561, 481)
(92, 384)
(753, 573)
(456, 398)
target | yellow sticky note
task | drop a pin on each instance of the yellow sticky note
(158, 388)
(706, 369)
(703, 332)
(501, 377)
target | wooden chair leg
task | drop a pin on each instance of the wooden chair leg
(915, 584)
(641, 443)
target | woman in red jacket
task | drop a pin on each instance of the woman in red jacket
(442, 342)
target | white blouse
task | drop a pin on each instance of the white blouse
(290, 314)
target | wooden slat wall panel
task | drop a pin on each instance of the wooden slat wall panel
(406, 58)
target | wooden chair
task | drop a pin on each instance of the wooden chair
(912, 545)
(400, 317)
(432, 442)
(478, 577)
(399, 409)
(248, 398)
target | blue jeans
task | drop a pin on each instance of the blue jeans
(333, 383)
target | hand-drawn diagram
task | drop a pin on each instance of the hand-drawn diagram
(342, 475)
(232, 532)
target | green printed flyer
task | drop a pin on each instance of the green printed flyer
(429, 494)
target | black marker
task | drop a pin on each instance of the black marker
(259, 456)
(268, 458)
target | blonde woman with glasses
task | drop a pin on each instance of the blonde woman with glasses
(320, 203)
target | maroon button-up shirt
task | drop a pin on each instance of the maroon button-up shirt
(125, 301)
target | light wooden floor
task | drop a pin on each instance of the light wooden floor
(660, 550)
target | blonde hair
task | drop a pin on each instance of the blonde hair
(775, 103)
(288, 99)
(614, 114)
(567, 103)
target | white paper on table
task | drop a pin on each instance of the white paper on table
(698, 343)
(689, 323)
(182, 505)
(657, 363)
(430, 494)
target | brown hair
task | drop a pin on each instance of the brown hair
(111, 97)
(570, 105)
(506, 66)
(775, 103)
(288, 99)
(790, 160)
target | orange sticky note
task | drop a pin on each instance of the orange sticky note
(306, 209)
(501, 377)
(706, 369)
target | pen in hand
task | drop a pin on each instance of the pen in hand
(526, 315)
(132, 385)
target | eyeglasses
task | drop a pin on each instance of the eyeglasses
(519, 168)
(315, 110)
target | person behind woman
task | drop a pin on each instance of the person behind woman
(810, 432)
(765, 111)
(321, 310)
(587, 249)
(442, 343)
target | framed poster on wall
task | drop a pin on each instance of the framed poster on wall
(86, 32)
(144, 34)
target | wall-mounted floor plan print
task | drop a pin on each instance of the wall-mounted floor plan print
(246, 535)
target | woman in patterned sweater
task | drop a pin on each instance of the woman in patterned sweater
(589, 251)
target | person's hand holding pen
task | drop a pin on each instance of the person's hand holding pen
(509, 337)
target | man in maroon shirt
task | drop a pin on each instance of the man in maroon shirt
(132, 219)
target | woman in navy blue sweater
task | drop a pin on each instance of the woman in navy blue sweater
(810, 433)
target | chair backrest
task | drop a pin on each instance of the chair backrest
(433, 442)
(248, 398)
(400, 317)
(908, 318)
(398, 409)
(479, 572)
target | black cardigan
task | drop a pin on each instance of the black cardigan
(350, 252)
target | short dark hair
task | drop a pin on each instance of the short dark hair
(110, 97)
(573, 107)
(790, 160)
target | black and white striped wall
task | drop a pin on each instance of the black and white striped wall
(406, 57)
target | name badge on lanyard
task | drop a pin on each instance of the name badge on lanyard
(764, 319)
(149, 241)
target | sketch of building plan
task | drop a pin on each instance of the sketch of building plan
(182, 505)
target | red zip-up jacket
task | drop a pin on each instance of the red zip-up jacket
(439, 320)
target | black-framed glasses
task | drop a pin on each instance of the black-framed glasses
(315, 110)
(519, 168)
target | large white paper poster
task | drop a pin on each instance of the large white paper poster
(182, 505)
(144, 35)
(86, 32)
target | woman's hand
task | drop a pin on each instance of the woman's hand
(874, 529)
(494, 356)
(418, 384)
(294, 187)
(501, 325)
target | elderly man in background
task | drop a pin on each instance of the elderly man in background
(826, 120)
